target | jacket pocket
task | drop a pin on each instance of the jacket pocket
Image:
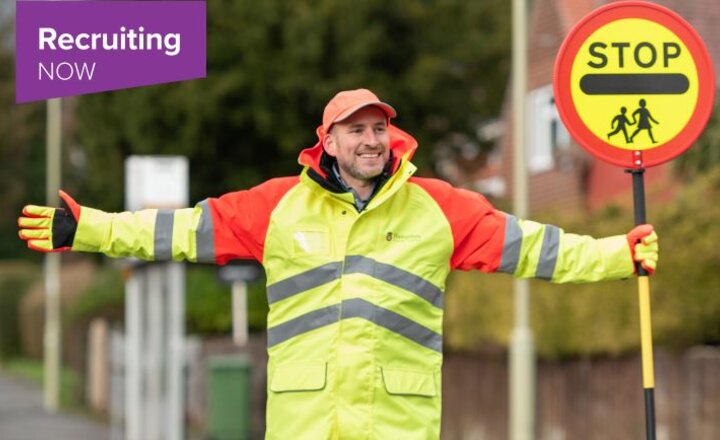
(299, 377)
(400, 381)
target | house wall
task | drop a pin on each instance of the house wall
(562, 187)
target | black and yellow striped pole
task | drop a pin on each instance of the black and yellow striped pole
(648, 370)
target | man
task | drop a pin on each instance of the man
(356, 252)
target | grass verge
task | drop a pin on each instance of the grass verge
(32, 371)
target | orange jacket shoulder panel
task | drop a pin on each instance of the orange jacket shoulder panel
(478, 229)
(240, 219)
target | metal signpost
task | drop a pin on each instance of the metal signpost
(238, 275)
(634, 85)
(155, 311)
(522, 346)
(52, 338)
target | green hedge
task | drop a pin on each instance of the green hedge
(208, 308)
(15, 278)
(104, 297)
(602, 318)
(209, 303)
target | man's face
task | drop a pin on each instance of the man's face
(361, 145)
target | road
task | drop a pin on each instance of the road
(22, 416)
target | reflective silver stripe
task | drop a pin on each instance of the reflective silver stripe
(303, 281)
(204, 236)
(163, 234)
(548, 253)
(359, 308)
(303, 324)
(356, 308)
(395, 276)
(511, 247)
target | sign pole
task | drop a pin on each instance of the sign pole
(648, 370)
(52, 337)
(522, 348)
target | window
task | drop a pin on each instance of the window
(546, 134)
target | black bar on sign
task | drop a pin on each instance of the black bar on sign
(634, 84)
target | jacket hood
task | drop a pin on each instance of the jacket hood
(402, 147)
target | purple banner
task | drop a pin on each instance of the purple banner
(66, 48)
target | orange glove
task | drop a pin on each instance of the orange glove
(49, 229)
(644, 247)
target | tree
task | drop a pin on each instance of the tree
(272, 65)
(22, 148)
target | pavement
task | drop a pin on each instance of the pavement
(23, 417)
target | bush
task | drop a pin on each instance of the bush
(209, 303)
(105, 297)
(208, 307)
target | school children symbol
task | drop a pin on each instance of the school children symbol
(641, 119)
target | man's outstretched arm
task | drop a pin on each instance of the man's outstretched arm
(582, 258)
(216, 230)
(150, 234)
(535, 250)
(493, 241)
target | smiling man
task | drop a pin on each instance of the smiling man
(356, 252)
(360, 144)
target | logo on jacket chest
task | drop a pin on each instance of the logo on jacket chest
(402, 237)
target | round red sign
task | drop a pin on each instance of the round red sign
(634, 84)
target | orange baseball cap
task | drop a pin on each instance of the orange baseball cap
(348, 102)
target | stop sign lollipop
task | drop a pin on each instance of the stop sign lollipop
(634, 85)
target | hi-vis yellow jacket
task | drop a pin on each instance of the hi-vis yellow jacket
(356, 298)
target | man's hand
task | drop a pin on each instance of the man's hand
(643, 243)
(49, 229)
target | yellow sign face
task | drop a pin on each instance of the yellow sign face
(634, 84)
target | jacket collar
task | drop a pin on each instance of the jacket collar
(384, 189)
